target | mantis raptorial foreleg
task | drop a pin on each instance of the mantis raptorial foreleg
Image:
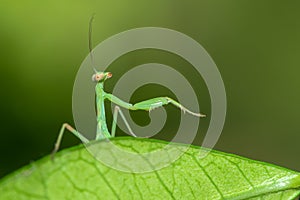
(150, 104)
(61, 133)
(114, 123)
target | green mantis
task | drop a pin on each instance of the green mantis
(100, 78)
(101, 96)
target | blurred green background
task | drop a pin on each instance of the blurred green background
(255, 44)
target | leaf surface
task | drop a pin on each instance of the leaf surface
(76, 174)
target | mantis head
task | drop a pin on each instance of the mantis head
(101, 76)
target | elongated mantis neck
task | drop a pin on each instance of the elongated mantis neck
(99, 85)
(102, 130)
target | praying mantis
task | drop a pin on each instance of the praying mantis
(102, 131)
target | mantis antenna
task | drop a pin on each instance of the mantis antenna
(90, 41)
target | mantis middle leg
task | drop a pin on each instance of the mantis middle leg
(114, 123)
(61, 133)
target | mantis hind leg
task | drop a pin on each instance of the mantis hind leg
(114, 123)
(151, 104)
(61, 133)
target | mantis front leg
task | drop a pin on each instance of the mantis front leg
(150, 104)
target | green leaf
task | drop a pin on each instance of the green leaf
(76, 174)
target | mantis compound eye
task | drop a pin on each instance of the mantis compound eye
(109, 75)
(97, 77)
